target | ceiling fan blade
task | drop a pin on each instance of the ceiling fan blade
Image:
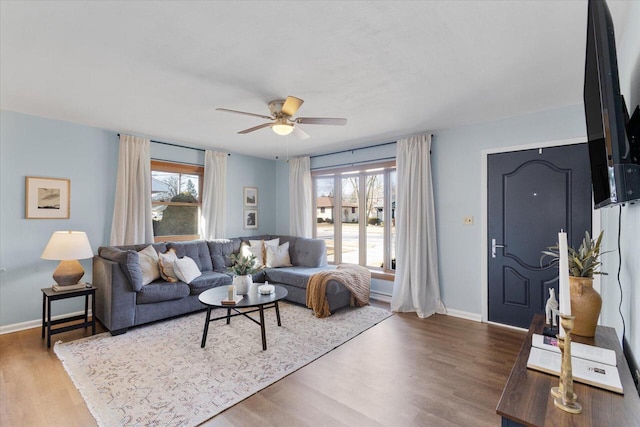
(297, 131)
(321, 121)
(264, 125)
(291, 105)
(245, 113)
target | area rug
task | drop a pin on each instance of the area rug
(158, 375)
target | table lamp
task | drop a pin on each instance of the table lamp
(68, 247)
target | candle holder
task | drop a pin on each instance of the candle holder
(559, 391)
(567, 399)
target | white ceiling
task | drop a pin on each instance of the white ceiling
(393, 69)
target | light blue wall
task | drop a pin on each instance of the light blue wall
(36, 146)
(456, 169)
(33, 146)
(245, 171)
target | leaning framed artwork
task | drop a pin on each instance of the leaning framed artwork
(47, 198)
(250, 219)
(250, 196)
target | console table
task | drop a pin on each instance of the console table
(526, 400)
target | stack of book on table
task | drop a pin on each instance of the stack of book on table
(591, 365)
(234, 301)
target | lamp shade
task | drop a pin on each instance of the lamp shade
(68, 245)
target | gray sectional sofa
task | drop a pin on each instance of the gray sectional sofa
(122, 301)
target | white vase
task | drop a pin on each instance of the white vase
(242, 284)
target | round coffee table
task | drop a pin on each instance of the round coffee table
(213, 298)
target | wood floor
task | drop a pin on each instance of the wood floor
(405, 371)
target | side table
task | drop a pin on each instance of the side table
(48, 295)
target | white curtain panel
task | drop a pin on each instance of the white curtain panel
(132, 222)
(416, 286)
(213, 221)
(300, 193)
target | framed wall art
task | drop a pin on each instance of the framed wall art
(250, 196)
(47, 198)
(250, 219)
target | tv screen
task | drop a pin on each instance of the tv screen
(614, 175)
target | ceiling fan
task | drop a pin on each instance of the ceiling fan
(282, 112)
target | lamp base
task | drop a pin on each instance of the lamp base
(58, 288)
(69, 272)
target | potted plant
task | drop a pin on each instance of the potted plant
(583, 264)
(242, 268)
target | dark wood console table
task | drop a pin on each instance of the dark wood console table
(526, 400)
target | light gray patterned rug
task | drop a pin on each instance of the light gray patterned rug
(158, 374)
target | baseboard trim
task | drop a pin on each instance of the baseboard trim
(17, 327)
(464, 315)
(380, 296)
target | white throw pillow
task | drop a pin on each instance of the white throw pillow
(148, 258)
(273, 244)
(186, 269)
(165, 261)
(279, 256)
(256, 249)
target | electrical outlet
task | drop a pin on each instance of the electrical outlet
(467, 220)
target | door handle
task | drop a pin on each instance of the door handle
(494, 246)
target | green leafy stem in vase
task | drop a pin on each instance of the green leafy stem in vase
(241, 266)
(582, 262)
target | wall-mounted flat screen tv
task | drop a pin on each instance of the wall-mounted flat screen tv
(614, 174)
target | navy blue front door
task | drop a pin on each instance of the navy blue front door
(532, 195)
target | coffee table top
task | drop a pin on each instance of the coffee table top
(214, 297)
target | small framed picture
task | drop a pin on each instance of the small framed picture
(250, 218)
(47, 198)
(250, 196)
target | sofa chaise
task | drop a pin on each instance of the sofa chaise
(122, 301)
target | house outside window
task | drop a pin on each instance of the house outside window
(176, 199)
(364, 230)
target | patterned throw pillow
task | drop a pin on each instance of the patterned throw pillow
(165, 262)
(148, 259)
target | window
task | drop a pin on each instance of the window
(176, 198)
(355, 214)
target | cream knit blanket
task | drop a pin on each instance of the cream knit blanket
(354, 277)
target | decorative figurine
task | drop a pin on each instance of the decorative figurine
(551, 309)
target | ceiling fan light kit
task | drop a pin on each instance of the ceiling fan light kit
(282, 111)
(281, 127)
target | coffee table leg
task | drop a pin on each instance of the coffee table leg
(278, 313)
(264, 335)
(228, 316)
(206, 328)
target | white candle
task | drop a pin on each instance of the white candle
(563, 271)
(232, 291)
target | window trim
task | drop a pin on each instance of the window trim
(184, 169)
(361, 171)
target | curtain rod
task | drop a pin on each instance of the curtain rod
(354, 149)
(177, 145)
(353, 163)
